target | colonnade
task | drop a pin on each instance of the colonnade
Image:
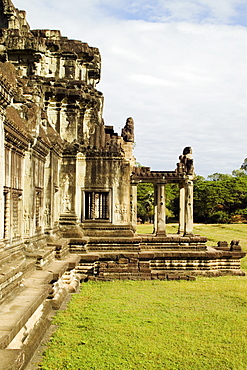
(185, 206)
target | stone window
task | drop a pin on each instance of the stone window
(96, 205)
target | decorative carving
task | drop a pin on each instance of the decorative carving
(235, 246)
(47, 215)
(121, 211)
(67, 199)
(71, 148)
(185, 165)
(26, 219)
(128, 130)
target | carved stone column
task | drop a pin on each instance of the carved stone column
(97, 136)
(1, 177)
(133, 205)
(7, 214)
(188, 206)
(160, 209)
(181, 208)
(68, 190)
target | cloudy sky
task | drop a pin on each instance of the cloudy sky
(178, 67)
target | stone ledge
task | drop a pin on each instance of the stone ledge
(11, 359)
(58, 268)
(16, 312)
(39, 278)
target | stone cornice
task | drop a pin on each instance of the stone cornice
(143, 174)
(16, 135)
(41, 146)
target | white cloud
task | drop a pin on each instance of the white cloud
(210, 11)
(183, 82)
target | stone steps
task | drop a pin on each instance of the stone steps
(12, 274)
(25, 315)
(60, 247)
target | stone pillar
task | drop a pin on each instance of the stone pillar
(188, 207)
(58, 110)
(181, 208)
(7, 215)
(2, 171)
(80, 185)
(133, 205)
(97, 137)
(68, 194)
(102, 136)
(49, 181)
(160, 209)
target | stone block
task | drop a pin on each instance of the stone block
(123, 260)
(59, 298)
(134, 260)
(58, 268)
(16, 311)
(235, 245)
(154, 275)
(12, 359)
(146, 256)
(90, 257)
(173, 277)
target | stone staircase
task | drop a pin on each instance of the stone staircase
(31, 288)
(13, 269)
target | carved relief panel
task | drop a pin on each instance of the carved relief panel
(13, 191)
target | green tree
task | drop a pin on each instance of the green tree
(219, 176)
(220, 198)
(145, 202)
(238, 173)
(172, 201)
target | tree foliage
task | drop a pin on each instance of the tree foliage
(220, 198)
(145, 202)
(172, 201)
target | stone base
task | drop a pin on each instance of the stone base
(68, 219)
(151, 257)
(146, 265)
(106, 230)
(172, 241)
(119, 243)
(60, 246)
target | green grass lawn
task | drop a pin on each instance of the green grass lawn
(156, 325)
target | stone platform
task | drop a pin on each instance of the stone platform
(156, 257)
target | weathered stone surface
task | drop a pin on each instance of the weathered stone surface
(16, 312)
(70, 186)
(12, 359)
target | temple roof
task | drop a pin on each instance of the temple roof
(13, 18)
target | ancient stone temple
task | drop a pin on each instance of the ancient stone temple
(68, 189)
